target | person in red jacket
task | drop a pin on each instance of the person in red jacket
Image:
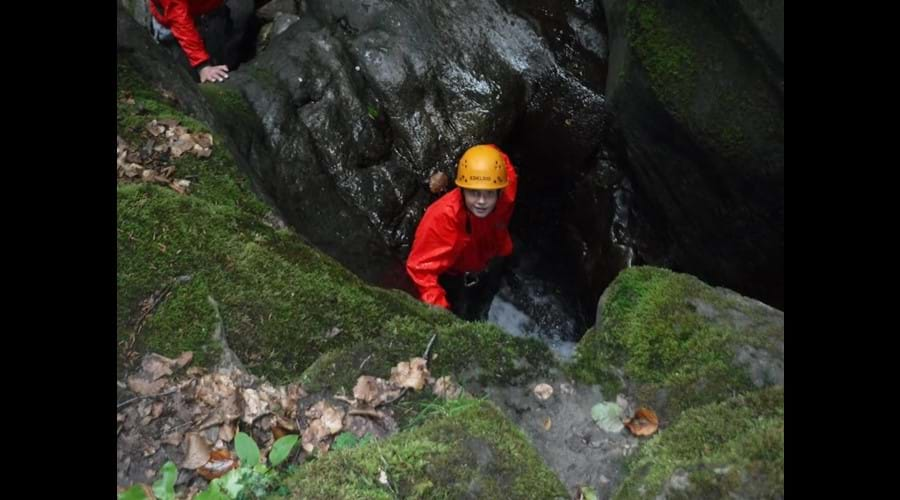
(213, 35)
(456, 257)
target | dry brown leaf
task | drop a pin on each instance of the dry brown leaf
(332, 419)
(173, 438)
(412, 374)
(293, 394)
(375, 391)
(184, 358)
(438, 182)
(210, 421)
(155, 128)
(197, 453)
(184, 144)
(132, 170)
(144, 387)
(445, 387)
(279, 432)
(254, 405)
(313, 435)
(220, 462)
(543, 391)
(547, 423)
(157, 409)
(643, 423)
(157, 366)
(181, 186)
(204, 140)
(215, 388)
(226, 432)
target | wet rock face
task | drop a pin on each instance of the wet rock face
(362, 102)
(699, 96)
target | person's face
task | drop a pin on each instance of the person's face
(480, 202)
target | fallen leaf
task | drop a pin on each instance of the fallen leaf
(445, 388)
(332, 419)
(214, 388)
(313, 434)
(375, 391)
(184, 358)
(173, 438)
(226, 432)
(157, 366)
(543, 391)
(282, 427)
(167, 171)
(254, 406)
(333, 332)
(412, 374)
(155, 128)
(181, 186)
(643, 423)
(184, 144)
(145, 387)
(220, 462)
(204, 140)
(157, 409)
(438, 182)
(547, 424)
(133, 170)
(197, 453)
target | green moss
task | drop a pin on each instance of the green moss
(186, 322)
(669, 59)
(230, 101)
(471, 352)
(732, 447)
(703, 79)
(470, 450)
(650, 327)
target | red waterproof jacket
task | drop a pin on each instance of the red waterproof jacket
(178, 16)
(450, 239)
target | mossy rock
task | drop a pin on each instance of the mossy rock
(469, 451)
(674, 342)
(732, 449)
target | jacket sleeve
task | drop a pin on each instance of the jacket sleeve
(183, 29)
(434, 251)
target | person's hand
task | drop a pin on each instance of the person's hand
(213, 73)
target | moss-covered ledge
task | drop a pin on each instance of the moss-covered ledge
(674, 342)
(732, 449)
(472, 451)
